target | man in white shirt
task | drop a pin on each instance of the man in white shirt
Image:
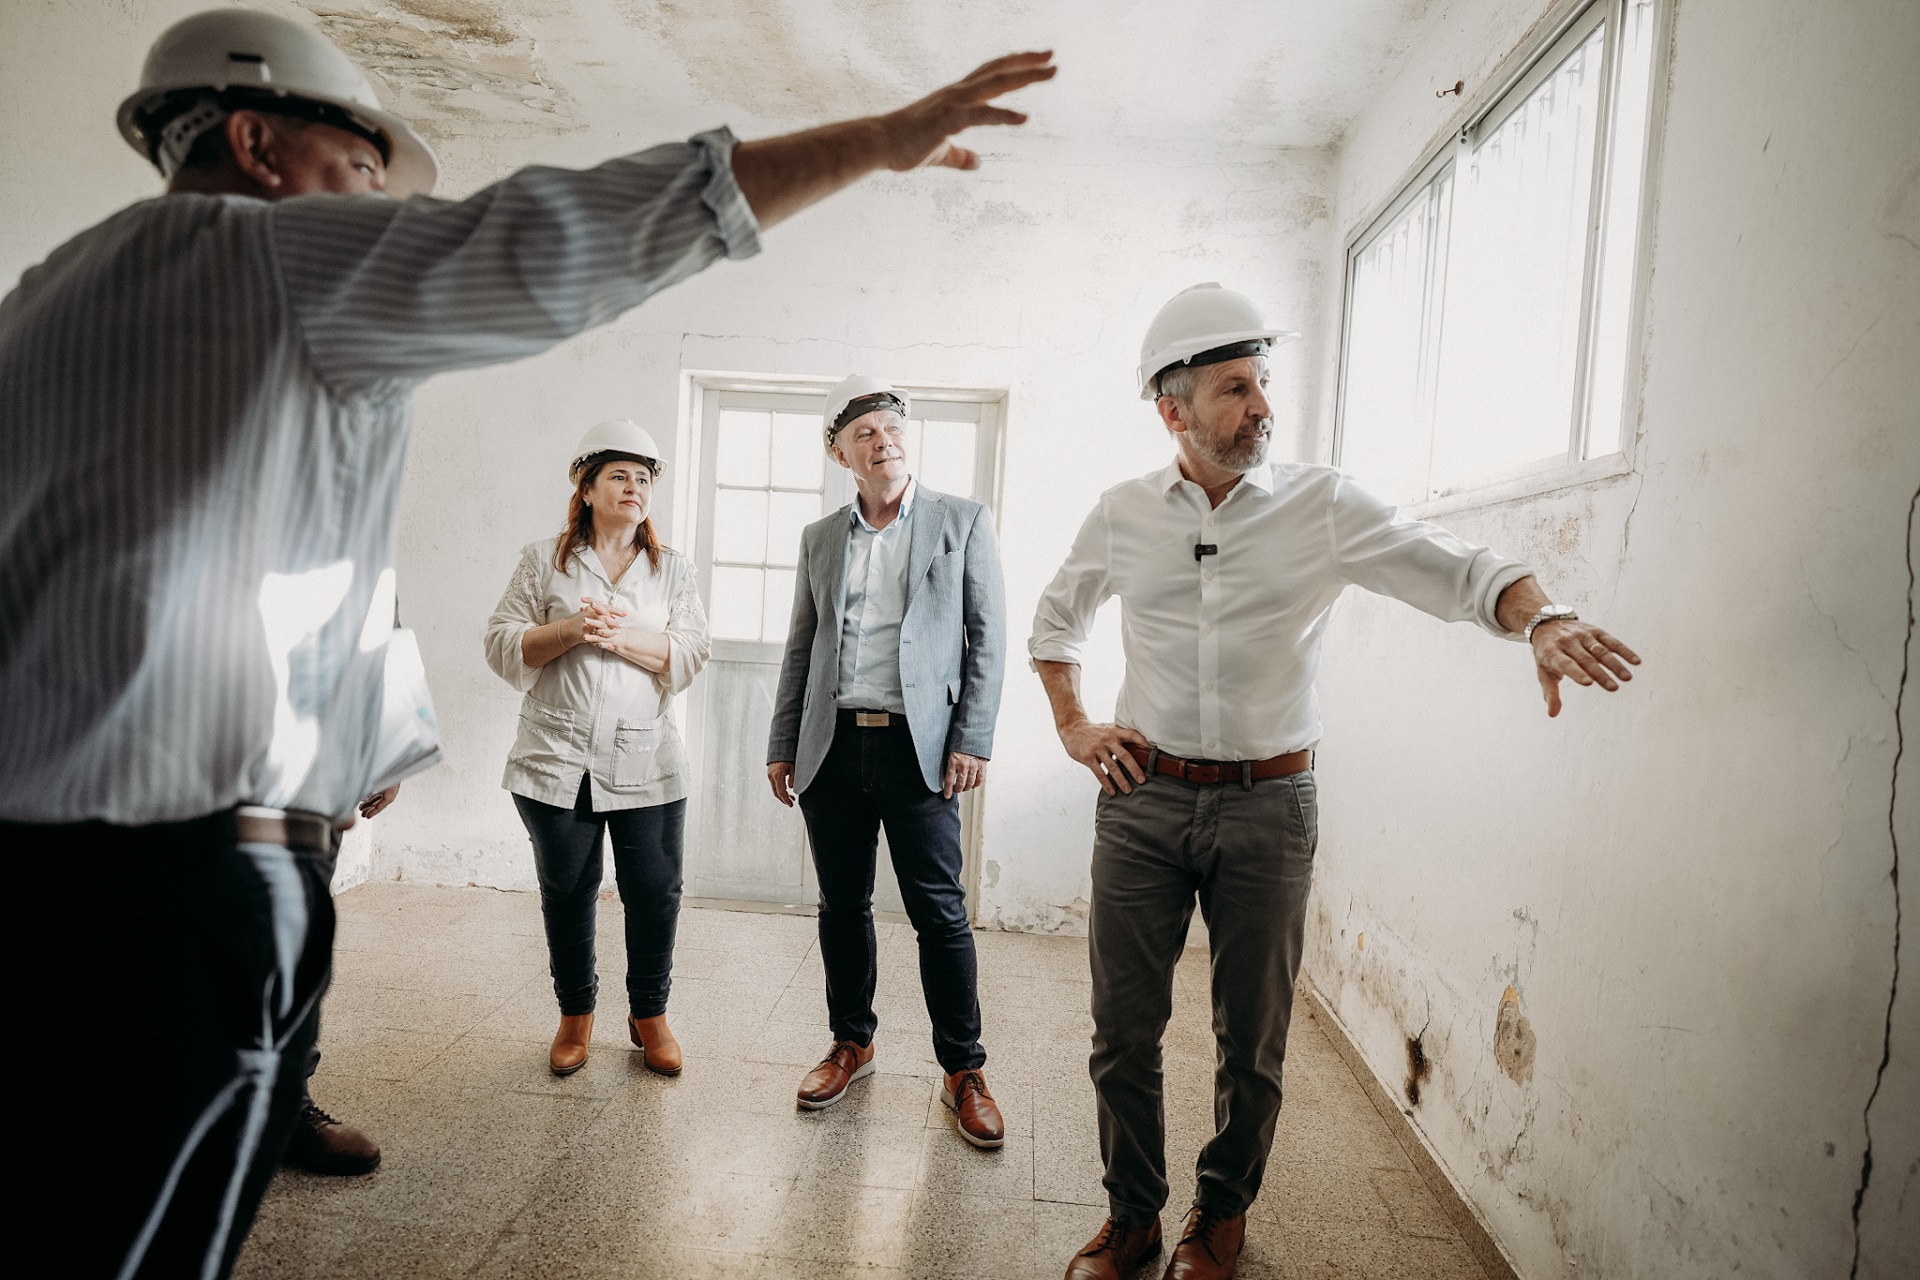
(206, 401)
(1226, 568)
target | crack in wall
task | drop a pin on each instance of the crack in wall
(1893, 833)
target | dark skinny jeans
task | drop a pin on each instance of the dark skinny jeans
(646, 866)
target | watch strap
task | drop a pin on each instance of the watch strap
(1552, 613)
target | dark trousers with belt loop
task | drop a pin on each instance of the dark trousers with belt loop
(871, 778)
(200, 961)
(1245, 850)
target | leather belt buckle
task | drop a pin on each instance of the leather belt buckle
(872, 719)
(288, 828)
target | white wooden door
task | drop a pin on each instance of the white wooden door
(763, 476)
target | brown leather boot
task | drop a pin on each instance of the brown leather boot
(1115, 1252)
(658, 1048)
(569, 1052)
(978, 1115)
(321, 1144)
(1209, 1247)
(827, 1083)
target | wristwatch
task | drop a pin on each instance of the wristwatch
(1552, 613)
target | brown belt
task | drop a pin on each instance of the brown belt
(1212, 773)
(288, 828)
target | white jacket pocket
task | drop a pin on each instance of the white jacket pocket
(644, 751)
(545, 744)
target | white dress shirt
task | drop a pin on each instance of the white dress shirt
(589, 711)
(1222, 649)
(204, 409)
(876, 600)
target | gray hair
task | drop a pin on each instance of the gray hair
(1180, 382)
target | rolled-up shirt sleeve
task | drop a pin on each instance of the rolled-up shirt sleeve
(387, 289)
(689, 644)
(517, 613)
(1416, 562)
(1065, 616)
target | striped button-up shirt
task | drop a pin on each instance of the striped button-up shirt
(204, 410)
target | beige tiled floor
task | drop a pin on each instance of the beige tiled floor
(435, 1043)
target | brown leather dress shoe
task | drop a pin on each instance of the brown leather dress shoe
(827, 1083)
(569, 1052)
(1115, 1252)
(321, 1144)
(658, 1048)
(1209, 1247)
(978, 1116)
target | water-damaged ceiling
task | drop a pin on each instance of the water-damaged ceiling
(1212, 75)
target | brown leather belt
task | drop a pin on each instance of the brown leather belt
(1212, 773)
(288, 828)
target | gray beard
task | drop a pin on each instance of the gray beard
(1230, 454)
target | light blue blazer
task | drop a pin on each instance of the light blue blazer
(952, 638)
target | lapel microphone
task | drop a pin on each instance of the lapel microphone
(1204, 549)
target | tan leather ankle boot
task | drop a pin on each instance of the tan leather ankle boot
(658, 1048)
(569, 1052)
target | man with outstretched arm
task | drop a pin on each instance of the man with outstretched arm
(206, 401)
(1226, 568)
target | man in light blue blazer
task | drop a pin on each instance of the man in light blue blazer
(884, 715)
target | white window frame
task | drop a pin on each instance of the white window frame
(1561, 31)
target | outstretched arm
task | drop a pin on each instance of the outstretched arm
(1577, 650)
(781, 176)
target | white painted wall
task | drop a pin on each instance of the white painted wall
(1687, 883)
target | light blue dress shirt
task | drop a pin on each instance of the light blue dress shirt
(876, 600)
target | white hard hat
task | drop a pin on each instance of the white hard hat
(251, 58)
(617, 436)
(1204, 325)
(855, 396)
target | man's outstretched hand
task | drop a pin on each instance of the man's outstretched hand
(1564, 648)
(781, 176)
(1581, 653)
(922, 133)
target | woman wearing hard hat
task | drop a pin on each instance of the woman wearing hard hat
(600, 627)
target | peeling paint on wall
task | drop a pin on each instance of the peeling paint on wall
(451, 66)
(1513, 1040)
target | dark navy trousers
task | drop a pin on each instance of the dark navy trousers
(871, 778)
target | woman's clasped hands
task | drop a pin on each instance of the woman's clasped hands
(600, 624)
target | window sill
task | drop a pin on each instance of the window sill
(1534, 485)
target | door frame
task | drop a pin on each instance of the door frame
(696, 385)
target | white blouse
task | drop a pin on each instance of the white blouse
(590, 711)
